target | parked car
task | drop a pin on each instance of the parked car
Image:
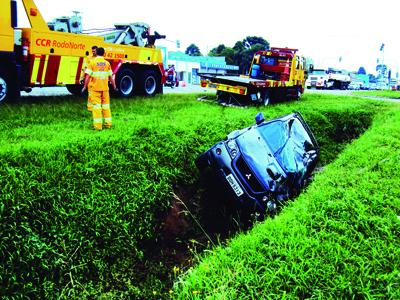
(264, 164)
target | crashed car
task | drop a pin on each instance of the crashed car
(265, 164)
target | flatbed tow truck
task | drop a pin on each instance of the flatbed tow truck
(275, 75)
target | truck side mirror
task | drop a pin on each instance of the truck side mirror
(14, 17)
(259, 118)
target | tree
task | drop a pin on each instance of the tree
(193, 50)
(244, 51)
(239, 46)
(217, 50)
(362, 71)
(227, 52)
(255, 40)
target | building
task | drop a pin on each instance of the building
(189, 67)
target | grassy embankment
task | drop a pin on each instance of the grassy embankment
(339, 240)
(381, 94)
(78, 205)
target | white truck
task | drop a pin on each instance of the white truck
(339, 79)
(328, 79)
(318, 78)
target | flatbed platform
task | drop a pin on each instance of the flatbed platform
(231, 79)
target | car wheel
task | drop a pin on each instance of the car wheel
(271, 207)
(202, 161)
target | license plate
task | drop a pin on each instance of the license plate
(212, 86)
(235, 185)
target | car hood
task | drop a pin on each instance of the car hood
(288, 165)
(260, 159)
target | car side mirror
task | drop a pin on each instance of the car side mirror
(291, 121)
(259, 118)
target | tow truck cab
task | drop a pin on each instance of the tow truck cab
(9, 68)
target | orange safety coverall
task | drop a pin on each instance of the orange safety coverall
(99, 70)
(86, 63)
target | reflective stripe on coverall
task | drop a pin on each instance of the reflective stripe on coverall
(86, 62)
(99, 70)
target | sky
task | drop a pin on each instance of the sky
(344, 34)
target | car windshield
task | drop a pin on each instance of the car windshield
(275, 134)
(289, 141)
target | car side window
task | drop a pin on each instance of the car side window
(300, 135)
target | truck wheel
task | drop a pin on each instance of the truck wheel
(8, 91)
(222, 97)
(149, 83)
(74, 89)
(3, 88)
(265, 98)
(298, 94)
(126, 83)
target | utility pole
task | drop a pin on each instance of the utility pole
(382, 66)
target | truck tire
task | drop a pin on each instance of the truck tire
(75, 89)
(3, 87)
(126, 83)
(297, 95)
(222, 97)
(149, 83)
(8, 91)
(265, 98)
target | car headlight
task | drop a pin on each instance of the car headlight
(232, 148)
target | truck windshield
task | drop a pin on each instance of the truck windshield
(318, 72)
(268, 60)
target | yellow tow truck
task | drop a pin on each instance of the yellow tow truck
(54, 54)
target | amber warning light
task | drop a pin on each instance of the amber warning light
(33, 12)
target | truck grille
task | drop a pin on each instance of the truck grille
(248, 176)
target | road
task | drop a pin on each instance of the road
(189, 89)
(347, 93)
(62, 91)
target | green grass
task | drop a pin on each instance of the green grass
(78, 206)
(382, 94)
(339, 240)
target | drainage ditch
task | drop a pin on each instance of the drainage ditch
(201, 216)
